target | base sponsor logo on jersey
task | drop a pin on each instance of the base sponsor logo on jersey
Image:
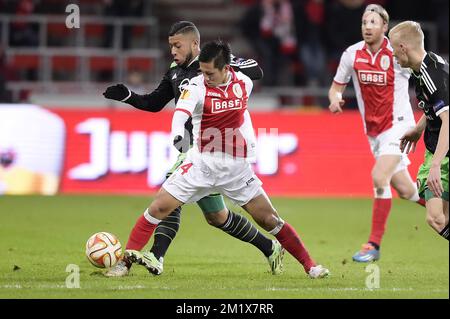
(219, 106)
(372, 77)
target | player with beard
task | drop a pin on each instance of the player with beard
(381, 87)
(184, 42)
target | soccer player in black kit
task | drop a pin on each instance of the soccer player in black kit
(430, 74)
(184, 42)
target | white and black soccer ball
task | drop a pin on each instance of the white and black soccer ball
(103, 250)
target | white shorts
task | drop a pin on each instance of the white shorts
(388, 143)
(203, 174)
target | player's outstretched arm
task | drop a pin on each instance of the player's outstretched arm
(335, 97)
(118, 92)
(153, 102)
(434, 177)
(247, 66)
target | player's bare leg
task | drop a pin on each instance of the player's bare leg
(437, 215)
(382, 172)
(405, 187)
(161, 207)
(444, 233)
(262, 211)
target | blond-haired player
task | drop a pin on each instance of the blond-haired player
(430, 74)
(381, 87)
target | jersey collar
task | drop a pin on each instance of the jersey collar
(383, 45)
(193, 60)
(423, 64)
(231, 77)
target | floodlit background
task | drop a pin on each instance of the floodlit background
(60, 136)
(78, 141)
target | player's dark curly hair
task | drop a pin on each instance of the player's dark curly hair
(217, 51)
(183, 27)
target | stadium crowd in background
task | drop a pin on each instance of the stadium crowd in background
(6, 74)
(323, 30)
(123, 9)
(297, 42)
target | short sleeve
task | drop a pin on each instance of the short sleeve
(189, 99)
(440, 100)
(345, 68)
(248, 85)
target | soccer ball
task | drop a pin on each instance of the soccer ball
(103, 250)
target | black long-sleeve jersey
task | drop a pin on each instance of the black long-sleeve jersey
(177, 79)
(432, 92)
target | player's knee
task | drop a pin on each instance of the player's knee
(435, 222)
(379, 179)
(158, 210)
(268, 221)
(218, 218)
(405, 192)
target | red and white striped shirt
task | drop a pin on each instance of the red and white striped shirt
(220, 119)
(381, 86)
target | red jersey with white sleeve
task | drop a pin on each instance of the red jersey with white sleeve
(220, 119)
(381, 86)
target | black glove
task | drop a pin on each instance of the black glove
(180, 144)
(117, 92)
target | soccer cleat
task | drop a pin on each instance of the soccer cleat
(119, 270)
(367, 253)
(153, 265)
(276, 259)
(318, 272)
(133, 256)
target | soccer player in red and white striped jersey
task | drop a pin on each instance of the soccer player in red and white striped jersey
(224, 145)
(381, 87)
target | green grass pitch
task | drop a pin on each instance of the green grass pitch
(42, 235)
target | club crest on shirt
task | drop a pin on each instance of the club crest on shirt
(385, 62)
(237, 90)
